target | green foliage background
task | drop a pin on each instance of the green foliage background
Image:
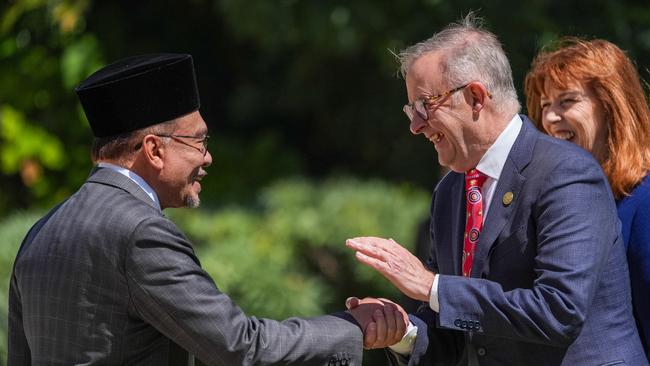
(289, 88)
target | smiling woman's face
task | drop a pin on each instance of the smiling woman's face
(575, 114)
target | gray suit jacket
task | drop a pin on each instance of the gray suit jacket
(549, 284)
(105, 278)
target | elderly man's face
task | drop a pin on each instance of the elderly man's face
(449, 125)
(185, 161)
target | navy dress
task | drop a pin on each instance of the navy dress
(634, 212)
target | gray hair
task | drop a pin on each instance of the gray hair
(121, 148)
(470, 53)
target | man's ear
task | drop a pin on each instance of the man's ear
(479, 95)
(153, 151)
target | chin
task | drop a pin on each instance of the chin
(192, 202)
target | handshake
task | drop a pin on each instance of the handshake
(382, 321)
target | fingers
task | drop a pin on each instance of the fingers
(391, 324)
(400, 313)
(387, 328)
(383, 322)
(400, 324)
(388, 253)
(371, 248)
(396, 322)
(377, 264)
(370, 335)
(374, 243)
(380, 320)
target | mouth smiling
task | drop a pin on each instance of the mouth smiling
(198, 177)
(564, 135)
(436, 137)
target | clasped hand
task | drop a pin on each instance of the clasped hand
(383, 322)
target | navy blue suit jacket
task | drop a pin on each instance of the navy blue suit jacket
(549, 284)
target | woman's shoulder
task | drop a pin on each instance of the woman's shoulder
(638, 198)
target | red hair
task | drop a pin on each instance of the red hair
(608, 72)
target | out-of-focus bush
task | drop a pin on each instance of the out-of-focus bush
(286, 255)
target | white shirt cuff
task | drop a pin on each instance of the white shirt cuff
(433, 296)
(405, 346)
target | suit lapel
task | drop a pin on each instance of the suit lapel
(511, 180)
(459, 215)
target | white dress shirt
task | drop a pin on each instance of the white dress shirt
(491, 164)
(134, 177)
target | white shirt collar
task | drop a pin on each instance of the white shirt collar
(134, 177)
(495, 157)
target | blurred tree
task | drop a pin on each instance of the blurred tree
(288, 86)
(43, 141)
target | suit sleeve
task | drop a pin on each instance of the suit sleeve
(172, 292)
(576, 227)
(18, 347)
(19, 353)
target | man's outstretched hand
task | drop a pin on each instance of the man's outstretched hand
(397, 264)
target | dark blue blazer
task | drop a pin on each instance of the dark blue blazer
(634, 212)
(549, 284)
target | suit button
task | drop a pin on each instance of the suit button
(457, 322)
(481, 351)
(463, 324)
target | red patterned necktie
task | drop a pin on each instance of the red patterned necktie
(474, 197)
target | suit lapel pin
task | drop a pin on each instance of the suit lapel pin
(507, 198)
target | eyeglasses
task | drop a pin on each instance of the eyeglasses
(419, 106)
(203, 140)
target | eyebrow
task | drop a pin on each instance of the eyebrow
(570, 92)
(563, 94)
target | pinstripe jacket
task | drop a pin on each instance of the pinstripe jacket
(104, 278)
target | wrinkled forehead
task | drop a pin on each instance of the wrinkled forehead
(426, 75)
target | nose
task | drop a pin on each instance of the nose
(549, 117)
(207, 159)
(417, 124)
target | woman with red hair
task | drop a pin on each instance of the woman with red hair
(590, 93)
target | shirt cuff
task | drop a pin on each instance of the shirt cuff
(405, 346)
(433, 296)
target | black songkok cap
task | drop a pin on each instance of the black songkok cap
(139, 91)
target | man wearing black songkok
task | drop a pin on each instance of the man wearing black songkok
(105, 278)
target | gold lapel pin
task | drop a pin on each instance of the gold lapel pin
(507, 198)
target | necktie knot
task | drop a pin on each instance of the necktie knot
(474, 178)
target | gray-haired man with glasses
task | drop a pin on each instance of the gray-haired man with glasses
(527, 265)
